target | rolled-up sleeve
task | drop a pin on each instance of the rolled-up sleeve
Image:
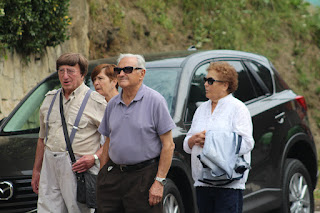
(193, 130)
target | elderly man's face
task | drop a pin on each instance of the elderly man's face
(70, 77)
(130, 80)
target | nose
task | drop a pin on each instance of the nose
(65, 74)
(121, 73)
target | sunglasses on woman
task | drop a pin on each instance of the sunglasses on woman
(210, 80)
(126, 70)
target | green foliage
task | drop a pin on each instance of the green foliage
(156, 11)
(222, 23)
(116, 11)
(31, 25)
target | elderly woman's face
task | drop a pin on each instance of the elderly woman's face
(218, 89)
(103, 84)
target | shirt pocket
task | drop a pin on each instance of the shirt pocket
(54, 118)
(82, 124)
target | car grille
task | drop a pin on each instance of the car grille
(23, 198)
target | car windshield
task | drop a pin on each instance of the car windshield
(165, 81)
(27, 116)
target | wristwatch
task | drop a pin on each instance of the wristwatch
(96, 159)
(163, 181)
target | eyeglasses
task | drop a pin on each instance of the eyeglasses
(69, 71)
(210, 80)
(126, 70)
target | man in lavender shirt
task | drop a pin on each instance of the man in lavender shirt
(138, 150)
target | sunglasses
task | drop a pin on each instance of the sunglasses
(126, 70)
(210, 80)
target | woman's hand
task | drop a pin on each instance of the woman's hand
(197, 139)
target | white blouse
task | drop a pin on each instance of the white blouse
(230, 115)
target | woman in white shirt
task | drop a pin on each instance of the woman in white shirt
(222, 112)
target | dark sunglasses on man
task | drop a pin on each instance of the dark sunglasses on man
(126, 70)
(210, 80)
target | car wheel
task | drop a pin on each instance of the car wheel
(297, 193)
(172, 202)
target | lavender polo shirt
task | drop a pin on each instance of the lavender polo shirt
(134, 130)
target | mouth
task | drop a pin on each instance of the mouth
(122, 79)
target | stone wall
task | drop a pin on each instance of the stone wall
(17, 78)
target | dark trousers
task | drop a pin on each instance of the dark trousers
(219, 200)
(126, 192)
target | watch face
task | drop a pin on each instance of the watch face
(96, 159)
(163, 181)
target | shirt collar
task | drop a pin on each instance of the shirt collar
(77, 91)
(138, 96)
(225, 99)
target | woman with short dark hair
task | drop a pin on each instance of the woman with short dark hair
(105, 80)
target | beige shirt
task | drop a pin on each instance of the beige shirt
(87, 138)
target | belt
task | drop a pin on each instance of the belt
(133, 167)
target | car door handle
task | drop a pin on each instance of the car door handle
(280, 117)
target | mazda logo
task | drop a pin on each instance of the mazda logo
(6, 190)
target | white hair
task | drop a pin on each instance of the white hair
(140, 59)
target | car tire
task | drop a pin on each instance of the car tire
(297, 193)
(172, 201)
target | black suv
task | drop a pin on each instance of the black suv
(284, 159)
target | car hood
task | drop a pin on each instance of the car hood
(17, 155)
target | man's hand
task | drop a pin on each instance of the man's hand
(155, 193)
(35, 182)
(83, 164)
(37, 166)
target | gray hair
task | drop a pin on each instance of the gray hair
(140, 59)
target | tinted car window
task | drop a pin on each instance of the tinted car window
(197, 95)
(263, 73)
(245, 91)
(197, 92)
(163, 80)
(27, 116)
(280, 85)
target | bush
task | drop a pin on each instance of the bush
(30, 25)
